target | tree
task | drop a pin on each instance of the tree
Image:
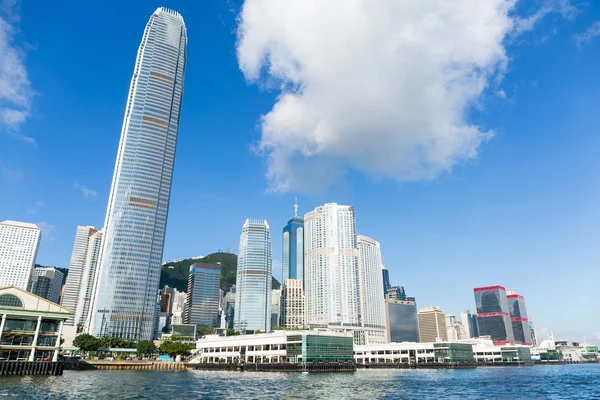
(173, 348)
(86, 342)
(279, 328)
(232, 332)
(204, 330)
(145, 348)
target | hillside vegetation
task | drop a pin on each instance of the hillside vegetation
(175, 274)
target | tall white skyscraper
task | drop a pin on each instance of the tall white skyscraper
(370, 284)
(90, 265)
(331, 266)
(19, 243)
(82, 253)
(254, 277)
(127, 279)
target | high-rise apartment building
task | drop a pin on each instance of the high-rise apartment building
(46, 282)
(519, 319)
(203, 295)
(432, 325)
(19, 243)
(293, 248)
(470, 324)
(401, 321)
(493, 314)
(86, 282)
(254, 277)
(79, 257)
(331, 266)
(385, 274)
(292, 304)
(370, 287)
(178, 307)
(128, 275)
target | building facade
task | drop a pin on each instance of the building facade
(293, 248)
(275, 308)
(331, 266)
(31, 327)
(493, 314)
(370, 287)
(19, 243)
(82, 252)
(385, 274)
(470, 323)
(519, 319)
(396, 293)
(292, 304)
(203, 295)
(432, 325)
(129, 270)
(254, 277)
(401, 321)
(46, 282)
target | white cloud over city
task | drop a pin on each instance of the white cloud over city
(382, 87)
(15, 88)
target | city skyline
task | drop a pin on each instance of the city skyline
(488, 220)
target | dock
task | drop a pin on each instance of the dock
(31, 368)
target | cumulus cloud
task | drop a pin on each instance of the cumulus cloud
(381, 87)
(590, 33)
(15, 88)
(87, 192)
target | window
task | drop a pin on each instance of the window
(10, 300)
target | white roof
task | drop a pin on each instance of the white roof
(20, 224)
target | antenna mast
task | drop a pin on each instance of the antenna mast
(296, 207)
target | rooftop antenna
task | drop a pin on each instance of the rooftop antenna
(296, 207)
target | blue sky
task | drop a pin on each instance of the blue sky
(518, 207)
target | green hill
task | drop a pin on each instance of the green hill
(175, 274)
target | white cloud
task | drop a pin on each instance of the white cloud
(381, 87)
(590, 33)
(15, 88)
(37, 207)
(563, 7)
(501, 93)
(87, 192)
(48, 231)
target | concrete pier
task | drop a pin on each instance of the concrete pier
(31, 368)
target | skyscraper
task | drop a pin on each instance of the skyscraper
(370, 286)
(19, 243)
(203, 295)
(275, 308)
(293, 248)
(86, 250)
(470, 323)
(519, 319)
(129, 270)
(493, 314)
(396, 293)
(254, 277)
(432, 325)
(386, 280)
(401, 321)
(46, 282)
(331, 266)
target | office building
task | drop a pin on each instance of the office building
(432, 325)
(292, 304)
(519, 319)
(385, 274)
(178, 307)
(229, 307)
(396, 293)
(455, 329)
(370, 287)
(275, 308)
(401, 321)
(293, 248)
(19, 243)
(493, 314)
(254, 277)
(203, 296)
(470, 324)
(134, 231)
(31, 327)
(331, 266)
(46, 282)
(86, 250)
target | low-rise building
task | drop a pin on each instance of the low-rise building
(275, 347)
(486, 352)
(31, 326)
(414, 353)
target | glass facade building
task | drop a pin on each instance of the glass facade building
(471, 324)
(203, 295)
(519, 319)
(130, 261)
(401, 321)
(46, 282)
(254, 277)
(293, 249)
(493, 314)
(385, 274)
